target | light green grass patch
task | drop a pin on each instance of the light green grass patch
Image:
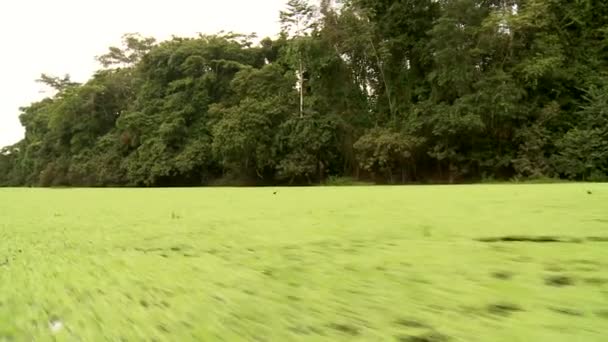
(305, 264)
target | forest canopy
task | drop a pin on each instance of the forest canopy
(392, 91)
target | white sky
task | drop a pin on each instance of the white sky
(63, 36)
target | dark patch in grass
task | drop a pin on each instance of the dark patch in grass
(147, 250)
(359, 244)
(348, 329)
(426, 231)
(502, 275)
(559, 280)
(306, 330)
(410, 323)
(421, 281)
(596, 281)
(501, 248)
(163, 328)
(268, 272)
(300, 330)
(567, 312)
(355, 291)
(164, 304)
(380, 268)
(469, 310)
(4, 263)
(316, 330)
(7, 338)
(164, 255)
(292, 257)
(324, 243)
(587, 269)
(522, 259)
(601, 220)
(586, 262)
(436, 308)
(554, 268)
(597, 238)
(503, 309)
(602, 314)
(249, 292)
(427, 337)
(144, 303)
(293, 298)
(534, 239)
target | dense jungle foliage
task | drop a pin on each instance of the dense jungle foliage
(392, 91)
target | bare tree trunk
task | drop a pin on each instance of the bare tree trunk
(451, 172)
(384, 80)
(321, 171)
(301, 72)
(440, 169)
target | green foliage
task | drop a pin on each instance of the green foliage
(345, 181)
(538, 180)
(402, 91)
(581, 152)
(383, 151)
(135, 48)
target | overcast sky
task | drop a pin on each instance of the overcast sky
(64, 36)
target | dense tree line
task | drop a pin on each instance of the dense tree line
(388, 90)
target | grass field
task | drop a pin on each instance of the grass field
(414, 264)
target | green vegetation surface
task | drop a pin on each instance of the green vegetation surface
(424, 263)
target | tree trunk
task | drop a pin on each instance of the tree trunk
(301, 76)
(384, 80)
(321, 170)
(451, 173)
(440, 170)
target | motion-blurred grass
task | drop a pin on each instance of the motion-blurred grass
(305, 264)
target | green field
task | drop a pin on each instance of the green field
(414, 264)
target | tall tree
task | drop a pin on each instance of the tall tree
(296, 24)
